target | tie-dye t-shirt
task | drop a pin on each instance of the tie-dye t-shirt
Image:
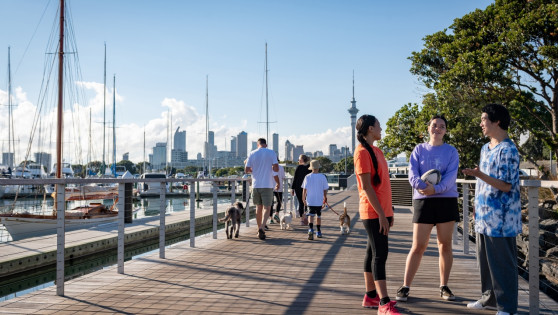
(498, 213)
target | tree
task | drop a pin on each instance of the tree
(340, 166)
(326, 164)
(130, 166)
(507, 53)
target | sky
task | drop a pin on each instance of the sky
(161, 55)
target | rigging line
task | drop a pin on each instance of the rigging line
(32, 36)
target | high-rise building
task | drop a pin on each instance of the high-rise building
(180, 140)
(242, 145)
(8, 159)
(297, 151)
(126, 156)
(332, 148)
(233, 145)
(45, 159)
(254, 145)
(159, 156)
(353, 111)
(289, 151)
(276, 143)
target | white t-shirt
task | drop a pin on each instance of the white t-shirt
(315, 184)
(261, 161)
(281, 175)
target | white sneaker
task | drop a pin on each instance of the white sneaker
(502, 313)
(477, 305)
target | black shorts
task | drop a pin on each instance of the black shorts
(435, 210)
(315, 211)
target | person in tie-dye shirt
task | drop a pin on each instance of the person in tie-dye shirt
(497, 213)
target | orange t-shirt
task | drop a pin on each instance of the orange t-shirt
(363, 165)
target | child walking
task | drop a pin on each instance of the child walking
(314, 195)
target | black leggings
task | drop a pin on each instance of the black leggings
(279, 197)
(376, 249)
(298, 193)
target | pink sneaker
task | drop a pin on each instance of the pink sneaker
(371, 302)
(388, 309)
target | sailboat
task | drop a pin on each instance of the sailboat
(21, 225)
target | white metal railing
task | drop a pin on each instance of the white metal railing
(60, 185)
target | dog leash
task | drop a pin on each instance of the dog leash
(326, 203)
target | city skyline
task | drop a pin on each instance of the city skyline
(160, 69)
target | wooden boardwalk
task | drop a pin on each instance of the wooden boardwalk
(285, 274)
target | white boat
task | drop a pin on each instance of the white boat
(22, 225)
(151, 189)
(37, 170)
(67, 170)
(89, 192)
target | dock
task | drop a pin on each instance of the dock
(285, 274)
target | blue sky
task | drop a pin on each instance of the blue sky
(162, 51)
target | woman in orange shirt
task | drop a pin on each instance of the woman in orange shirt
(375, 210)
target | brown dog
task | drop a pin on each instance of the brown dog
(232, 219)
(345, 222)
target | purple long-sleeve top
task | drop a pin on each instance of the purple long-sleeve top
(443, 158)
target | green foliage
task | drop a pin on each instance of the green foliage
(339, 167)
(130, 166)
(402, 132)
(327, 165)
(508, 54)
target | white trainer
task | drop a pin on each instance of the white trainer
(477, 305)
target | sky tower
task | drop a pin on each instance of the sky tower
(353, 111)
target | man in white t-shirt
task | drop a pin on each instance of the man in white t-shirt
(262, 162)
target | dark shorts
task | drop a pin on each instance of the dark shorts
(435, 210)
(315, 211)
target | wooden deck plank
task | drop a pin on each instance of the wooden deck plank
(285, 274)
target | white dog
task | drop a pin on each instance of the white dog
(285, 220)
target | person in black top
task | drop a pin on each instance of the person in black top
(296, 188)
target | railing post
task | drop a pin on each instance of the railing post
(120, 206)
(214, 189)
(533, 208)
(233, 192)
(248, 204)
(192, 219)
(162, 213)
(60, 237)
(465, 218)
(285, 196)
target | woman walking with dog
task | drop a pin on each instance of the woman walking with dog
(376, 212)
(434, 204)
(296, 187)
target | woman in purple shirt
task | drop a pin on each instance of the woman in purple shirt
(433, 205)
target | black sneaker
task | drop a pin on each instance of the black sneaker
(261, 234)
(446, 293)
(402, 293)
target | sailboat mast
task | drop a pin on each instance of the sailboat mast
(114, 125)
(59, 127)
(104, 108)
(266, 99)
(143, 149)
(207, 124)
(11, 142)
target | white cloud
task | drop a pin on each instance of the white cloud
(130, 136)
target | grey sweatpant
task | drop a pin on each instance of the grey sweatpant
(497, 258)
